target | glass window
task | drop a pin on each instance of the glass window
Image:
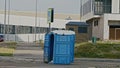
(1, 36)
(10, 29)
(72, 29)
(30, 29)
(102, 6)
(96, 23)
(13, 29)
(37, 30)
(54, 28)
(19, 29)
(0, 28)
(82, 29)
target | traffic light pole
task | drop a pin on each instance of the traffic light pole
(50, 18)
(49, 27)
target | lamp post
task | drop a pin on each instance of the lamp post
(4, 32)
(8, 19)
(35, 19)
(81, 9)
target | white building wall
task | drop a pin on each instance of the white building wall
(87, 16)
(30, 21)
(24, 37)
(106, 28)
(115, 6)
(96, 29)
(107, 17)
(101, 29)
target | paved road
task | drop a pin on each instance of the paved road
(30, 56)
(79, 63)
(29, 51)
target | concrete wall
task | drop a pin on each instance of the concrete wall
(24, 37)
(102, 30)
(108, 17)
(43, 14)
(95, 29)
(80, 37)
(30, 21)
(87, 16)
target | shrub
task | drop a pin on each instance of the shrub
(98, 50)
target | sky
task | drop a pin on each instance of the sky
(60, 6)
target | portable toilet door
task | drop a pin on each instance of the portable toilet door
(48, 48)
(63, 47)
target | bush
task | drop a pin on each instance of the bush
(6, 54)
(6, 51)
(98, 50)
(8, 44)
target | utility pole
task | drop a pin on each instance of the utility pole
(8, 20)
(4, 32)
(35, 20)
(81, 9)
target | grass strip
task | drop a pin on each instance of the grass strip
(98, 50)
(6, 51)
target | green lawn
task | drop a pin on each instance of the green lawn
(6, 51)
(7, 48)
(98, 50)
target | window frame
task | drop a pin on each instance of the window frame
(83, 31)
(96, 23)
(72, 29)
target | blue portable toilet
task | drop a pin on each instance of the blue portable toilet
(63, 52)
(48, 48)
(59, 47)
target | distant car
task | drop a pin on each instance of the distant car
(1, 37)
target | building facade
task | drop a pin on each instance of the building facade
(103, 16)
(80, 29)
(23, 27)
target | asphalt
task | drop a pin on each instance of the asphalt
(31, 56)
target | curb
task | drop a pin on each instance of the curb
(97, 59)
(13, 59)
(76, 59)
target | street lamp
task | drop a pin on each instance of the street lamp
(4, 32)
(8, 20)
(81, 9)
(35, 19)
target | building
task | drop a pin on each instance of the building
(81, 30)
(103, 16)
(21, 25)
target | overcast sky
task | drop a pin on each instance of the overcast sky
(60, 6)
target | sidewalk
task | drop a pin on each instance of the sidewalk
(31, 56)
(35, 52)
(29, 51)
(97, 60)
